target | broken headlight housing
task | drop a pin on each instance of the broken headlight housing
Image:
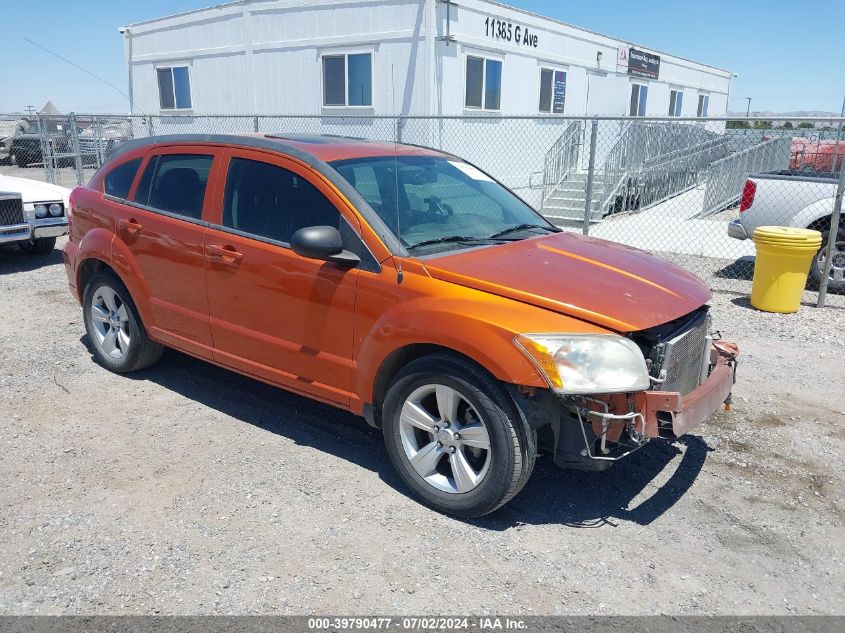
(587, 363)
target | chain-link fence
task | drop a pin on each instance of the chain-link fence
(690, 190)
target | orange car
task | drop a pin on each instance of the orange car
(402, 284)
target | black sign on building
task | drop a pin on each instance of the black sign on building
(642, 64)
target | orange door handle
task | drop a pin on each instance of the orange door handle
(130, 226)
(227, 253)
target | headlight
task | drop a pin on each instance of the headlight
(56, 210)
(587, 363)
(41, 211)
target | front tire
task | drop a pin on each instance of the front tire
(455, 437)
(114, 327)
(836, 279)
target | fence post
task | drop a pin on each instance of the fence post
(591, 169)
(46, 158)
(255, 123)
(74, 142)
(399, 124)
(99, 150)
(831, 237)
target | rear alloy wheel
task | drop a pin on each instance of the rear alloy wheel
(836, 278)
(114, 327)
(454, 436)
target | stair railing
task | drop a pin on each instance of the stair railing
(561, 159)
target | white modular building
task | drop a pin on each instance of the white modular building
(409, 57)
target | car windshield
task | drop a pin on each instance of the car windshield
(437, 203)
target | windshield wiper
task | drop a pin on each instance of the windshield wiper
(454, 238)
(523, 227)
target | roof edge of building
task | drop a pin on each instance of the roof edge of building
(221, 5)
(493, 2)
(610, 37)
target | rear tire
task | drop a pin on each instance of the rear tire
(39, 246)
(455, 437)
(114, 327)
(838, 267)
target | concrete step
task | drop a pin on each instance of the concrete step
(581, 176)
(569, 193)
(573, 211)
(569, 200)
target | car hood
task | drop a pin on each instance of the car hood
(34, 190)
(608, 284)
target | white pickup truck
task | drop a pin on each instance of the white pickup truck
(799, 201)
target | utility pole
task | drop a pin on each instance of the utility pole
(30, 110)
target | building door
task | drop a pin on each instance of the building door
(601, 95)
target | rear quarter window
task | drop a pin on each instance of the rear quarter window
(118, 181)
(175, 183)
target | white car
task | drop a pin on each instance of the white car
(32, 213)
(799, 201)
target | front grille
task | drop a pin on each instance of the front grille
(680, 359)
(11, 211)
(14, 232)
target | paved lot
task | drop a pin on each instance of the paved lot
(673, 226)
(187, 489)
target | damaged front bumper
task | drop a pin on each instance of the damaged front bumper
(670, 414)
(590, 433)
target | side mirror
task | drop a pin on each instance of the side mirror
(322, 242)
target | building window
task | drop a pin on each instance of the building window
(348, 80)
(639, 96)
(676, 101)
(703, 104)
(174, 88)
(552, 91)
(483, 83)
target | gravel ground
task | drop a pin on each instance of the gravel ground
(185, 489)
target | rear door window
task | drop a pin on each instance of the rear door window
(119, 180)
(175, 183)
(272, 202)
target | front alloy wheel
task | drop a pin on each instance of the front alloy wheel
(444, 438)
(455, 436)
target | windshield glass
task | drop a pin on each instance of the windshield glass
(435, 203)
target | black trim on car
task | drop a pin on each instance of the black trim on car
(278, 146)
(168, 214)
(368, 261)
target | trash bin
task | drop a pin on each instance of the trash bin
(784, 255)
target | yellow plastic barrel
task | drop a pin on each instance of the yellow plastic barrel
(784, 255)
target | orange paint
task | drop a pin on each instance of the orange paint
(324, 330)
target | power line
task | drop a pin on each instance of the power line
(86, 71)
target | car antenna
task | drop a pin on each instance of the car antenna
(88, 72)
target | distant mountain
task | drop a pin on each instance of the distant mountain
(797, 114)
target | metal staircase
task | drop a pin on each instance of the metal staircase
(648, 162)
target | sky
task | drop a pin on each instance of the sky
(789, 56)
